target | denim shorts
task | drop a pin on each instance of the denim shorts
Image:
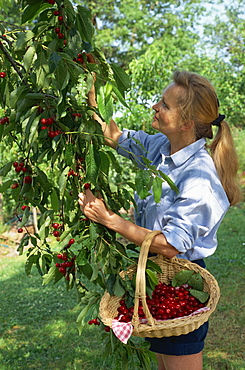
(185, 344)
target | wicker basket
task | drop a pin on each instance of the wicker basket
(170, 267)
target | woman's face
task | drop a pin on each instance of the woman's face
(167, 117)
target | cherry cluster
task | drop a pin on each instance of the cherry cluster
(167, 302)
(63, 266)
(46, 125)
(4, 120)
(71, 172)
(19, 167)
(82, 57)
(96, 322)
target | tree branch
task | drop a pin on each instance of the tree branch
(14, 64)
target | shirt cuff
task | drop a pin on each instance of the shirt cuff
(176, 240)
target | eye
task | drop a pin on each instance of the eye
(164, 104)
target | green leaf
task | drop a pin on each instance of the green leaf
(121, 78)
(196, 281)
(201, 296)
(142, 183)
(63, 181)
(47, 278)
(43, 180)
(41, 70)
(6, 185)
(169, 181)
(69, 154)
(157, 188)
(54, 200)
(31, 11)
(54, 61)
(152, 278)
(118, 288)
(110, 283)
(153, 266)
(29, 57)
(62, 75)
(92, 231)
(105, 102)
(5, 169)
(22, 38)
(91, 166)
(105, 162)
(120, 96)
(182, 277)
(84, 24)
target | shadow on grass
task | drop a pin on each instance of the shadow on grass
(38, 324)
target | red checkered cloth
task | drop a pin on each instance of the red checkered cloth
(123, 330)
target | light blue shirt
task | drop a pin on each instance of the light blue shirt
(189, 220)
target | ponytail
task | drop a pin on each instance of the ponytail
(222, 150)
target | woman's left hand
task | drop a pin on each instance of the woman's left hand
(94, 208)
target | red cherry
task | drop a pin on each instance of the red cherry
(15, 185)
(52, 2)
(24, 207)
(27, 179)
(15, 164)
(55, 225)
(49, 121)
(4, 120)
(87, 186)
(43, 121)
(20, 230)
(71, 241)
(51, 134)
(62, 270)
(44, 127)
(107, 329)
(61, 35)
(60, 18)
(57, 30)
(56, 12)
(57, 264)
(3, 74)
(56, 233)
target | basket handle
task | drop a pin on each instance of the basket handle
(140, 288)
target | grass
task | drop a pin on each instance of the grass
(38, 329)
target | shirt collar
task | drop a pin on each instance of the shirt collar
(184, 154)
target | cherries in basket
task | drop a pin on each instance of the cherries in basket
(167, 302)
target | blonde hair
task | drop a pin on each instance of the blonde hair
(199, 104)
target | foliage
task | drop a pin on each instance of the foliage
(127, 28)
(47, 70)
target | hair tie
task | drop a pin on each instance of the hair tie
(218, 120)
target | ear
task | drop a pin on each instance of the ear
(187, 125)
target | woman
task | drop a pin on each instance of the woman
(184, 117)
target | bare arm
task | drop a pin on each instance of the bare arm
(111, 131)
(96, 211)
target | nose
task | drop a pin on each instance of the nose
(155, 107)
